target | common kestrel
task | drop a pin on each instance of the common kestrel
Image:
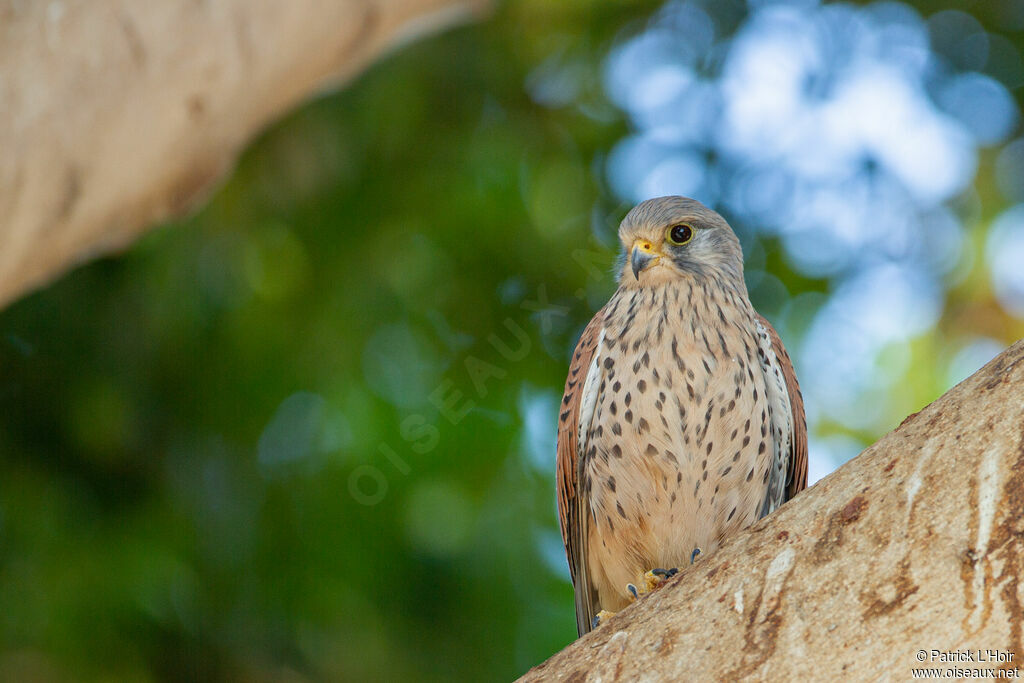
(682, 419)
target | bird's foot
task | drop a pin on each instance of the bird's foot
(649, 581)
(602, 616)
(656, 577)
(694, 555)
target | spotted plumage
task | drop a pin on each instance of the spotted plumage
(682, 420)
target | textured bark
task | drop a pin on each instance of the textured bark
(116, 114)
(914, 545)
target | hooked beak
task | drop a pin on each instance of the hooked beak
(642, 256)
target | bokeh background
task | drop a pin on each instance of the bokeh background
(308, 434)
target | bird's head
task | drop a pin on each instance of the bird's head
(671, 238)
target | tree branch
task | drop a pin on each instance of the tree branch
(914, 545)
(116, 114)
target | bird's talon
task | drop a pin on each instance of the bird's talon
(632, 590)
(694, 554)
(602, 616)
(656, 577)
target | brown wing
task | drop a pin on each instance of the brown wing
(797, 470)
(572, 515)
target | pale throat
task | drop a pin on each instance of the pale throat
(656, 308)
(657, 275)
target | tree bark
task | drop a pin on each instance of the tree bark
(914, 546)
(116, 114)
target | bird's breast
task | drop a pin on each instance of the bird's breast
(679, 445)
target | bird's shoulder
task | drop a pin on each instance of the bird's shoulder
(583, 357)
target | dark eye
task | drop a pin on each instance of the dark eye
(680, 234)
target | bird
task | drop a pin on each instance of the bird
(682, 419)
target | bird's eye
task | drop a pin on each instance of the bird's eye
(680, 234)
